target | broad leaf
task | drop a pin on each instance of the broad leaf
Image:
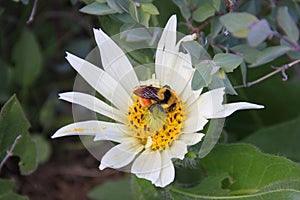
(108, 190)
(240, 171)
(97, 9)
(258, 32)
(6, 191)
(227, 61)
(203, 12)
(28, 59)
(282, 139)
(184, 8)
(238, 23)
(149, 8)
(249, 53)
(138, 14)
(270, 54)
(288, 25)
(143, 189)
(12, 124)
(197, 52)
(115, 6)
(203, 75)
(222, 81)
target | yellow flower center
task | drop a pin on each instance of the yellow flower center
(161, 124)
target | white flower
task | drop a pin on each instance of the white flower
(149, 151)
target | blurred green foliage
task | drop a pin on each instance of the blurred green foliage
(237, 42)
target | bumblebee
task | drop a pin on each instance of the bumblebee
(151, 96)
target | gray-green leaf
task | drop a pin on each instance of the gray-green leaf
(288, 25)
(97, 8)
(238, 23)
(258, 32)
(227, 61)
(270, 54)
(203, 12)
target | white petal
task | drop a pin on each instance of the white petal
(166, 52)
(177, 149)
(147, 165)
(167, 173)
(189, 96)
(102, 82)
(208, 103)
(94, 104)
(112, 131)
(228, 109)
(191, 138)
(194, 122)
(120, 155)
(91, 127)
(115, 61)
(181, 73)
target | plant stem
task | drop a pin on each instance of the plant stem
(280, 69)
(9, 152)
(31, 17)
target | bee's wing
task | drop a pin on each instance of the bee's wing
(147, 92)
(150, 93)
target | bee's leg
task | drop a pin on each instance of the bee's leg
(156, 106)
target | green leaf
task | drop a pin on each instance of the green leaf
(247, 174)
(287, 24)
(227, 61)
(124, 4)
(28, 59)
(149, 8)
(43, 148)
(145, 190)
(270, 54)
(249, 53)
(12, 124)
(258, 32)
(6, 191)
(211, 136)
(203, 12)
(97, 8)
(280, 139)
(209, 185)
(197, 52)
(139, 15)
(115, 6)
(203, 74)
(238, 23)
(184, 8)
(218, 82)
(134, 34)
(215, 27)
(216, 4)
(108, 190)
